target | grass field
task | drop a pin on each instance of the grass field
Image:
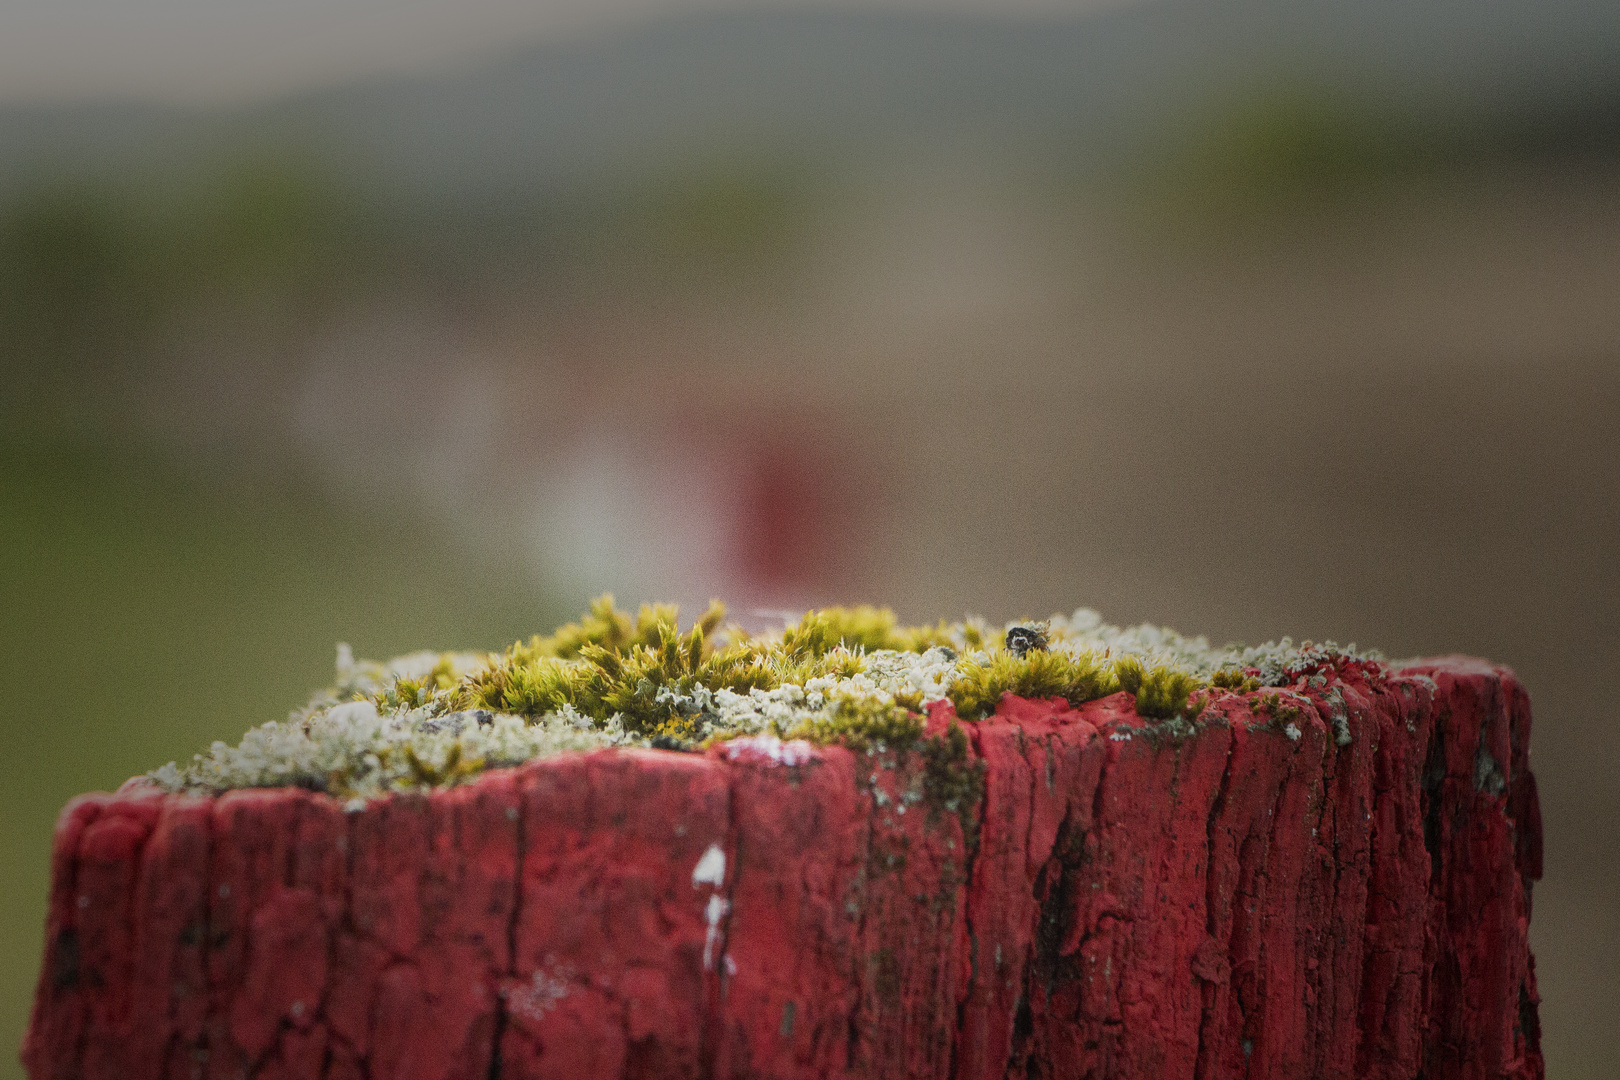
(150, 611)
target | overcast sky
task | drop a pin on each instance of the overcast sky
(205, 51)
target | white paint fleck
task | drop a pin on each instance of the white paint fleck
(711, 869)
(1293, 732)
(715, 912)
(536, 998)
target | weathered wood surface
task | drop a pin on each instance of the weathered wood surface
(1349, 898)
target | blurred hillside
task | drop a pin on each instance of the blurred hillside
(829, 84)
(1247, 317)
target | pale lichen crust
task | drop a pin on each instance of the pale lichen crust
(849, 676)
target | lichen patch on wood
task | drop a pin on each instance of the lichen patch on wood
(850, 676)
(1328, 877)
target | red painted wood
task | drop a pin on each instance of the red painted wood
(1233, 902)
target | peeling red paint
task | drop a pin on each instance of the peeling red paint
(1221, 901)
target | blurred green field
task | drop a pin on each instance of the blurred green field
(150, 610)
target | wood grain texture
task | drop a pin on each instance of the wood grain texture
(1331, 883)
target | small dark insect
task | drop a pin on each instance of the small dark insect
(1021, 639)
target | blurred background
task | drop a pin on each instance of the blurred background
(416, 324)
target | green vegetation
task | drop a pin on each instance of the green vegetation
(850, 676)
(1274, 140)
(1235, 679)
(865, 627)
(1275, 707)
(1078, 677)
(722, 208)
(153, 611)
(1161, 690)
(643, 670)
(1297, 139)
(864, 725)
(1276, 146)
(952, 782)
(124, 253)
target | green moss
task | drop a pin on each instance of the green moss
(850, 676)
(1234, 679)
(641, 670)
(864, 627)
(606, 627)
(953, 783)
(1273, 706)
(405, 694)
(1076, 676)
(606, 664)
(1163, 692)
(863, 725)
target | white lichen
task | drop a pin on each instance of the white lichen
(1279, 662)
(353, 750)
(388, 726)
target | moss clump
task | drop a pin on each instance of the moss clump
(863, 628)
(863, 725)
(1234, 679)
(656, 680)
(1161, 691)
(606, 627)
(1078, 677)
(853, 676)
(600, 681)
(1273, 705)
